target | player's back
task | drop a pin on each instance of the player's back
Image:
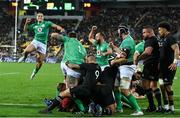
(108, 76)
(74, 51)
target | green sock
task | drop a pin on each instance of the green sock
(133, 101)
(118, 95)
(124, 99)
(79, 104)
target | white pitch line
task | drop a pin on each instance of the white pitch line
(14, 73)
(18, 104)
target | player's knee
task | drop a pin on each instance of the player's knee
(170, 93)
(72, 81)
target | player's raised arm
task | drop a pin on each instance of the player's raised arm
(91, 34)
(60, 28)
(28, 20)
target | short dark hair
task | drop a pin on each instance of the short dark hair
(72, 34)
(102, 34)
(165, 25)
(148, 27)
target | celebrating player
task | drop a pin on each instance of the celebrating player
(102, 47)
(39, 43)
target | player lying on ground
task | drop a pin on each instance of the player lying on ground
(91, 74)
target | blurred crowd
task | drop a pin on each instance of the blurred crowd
(107, 21)
(6, 26)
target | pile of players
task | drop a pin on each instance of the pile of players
(100, 82)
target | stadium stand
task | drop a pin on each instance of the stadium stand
(107, 20)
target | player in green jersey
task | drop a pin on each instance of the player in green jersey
(102, 48)
(126, 49)
(39, 43)
(74, 53)
(139, 49)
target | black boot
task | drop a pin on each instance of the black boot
(54, 104)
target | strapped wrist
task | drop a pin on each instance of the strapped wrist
(175, 61)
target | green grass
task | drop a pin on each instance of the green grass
(17, 88)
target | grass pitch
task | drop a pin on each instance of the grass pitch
(22, 97)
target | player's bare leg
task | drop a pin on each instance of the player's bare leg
(169, 91)
(30, 48)
(40, 59)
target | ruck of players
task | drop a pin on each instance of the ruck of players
(114, 76)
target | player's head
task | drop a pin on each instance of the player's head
(123, 30)
(164, 28)
(147, 32)
(72, 34)
(40, 17)
(91, 59)
(100, 37)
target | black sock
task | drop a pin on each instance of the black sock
(55, 103)
(171, 102)
(107, 111)
(150, 98)
(158, 96)
(26, 54)
(165, 101)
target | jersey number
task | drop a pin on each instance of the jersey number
(80, 49)
(97, 74)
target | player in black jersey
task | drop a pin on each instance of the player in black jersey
(91, 71)
(103, 91)
(169, 55)
(151, 71)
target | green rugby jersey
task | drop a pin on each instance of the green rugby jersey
(140, 47)
(128, 43)
(101, 60)
(74, 52)
(41, 30)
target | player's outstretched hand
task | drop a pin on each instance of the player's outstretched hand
(67, 62)
(28, 20)
(62, 30)
(69, 65)
(94, 28)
